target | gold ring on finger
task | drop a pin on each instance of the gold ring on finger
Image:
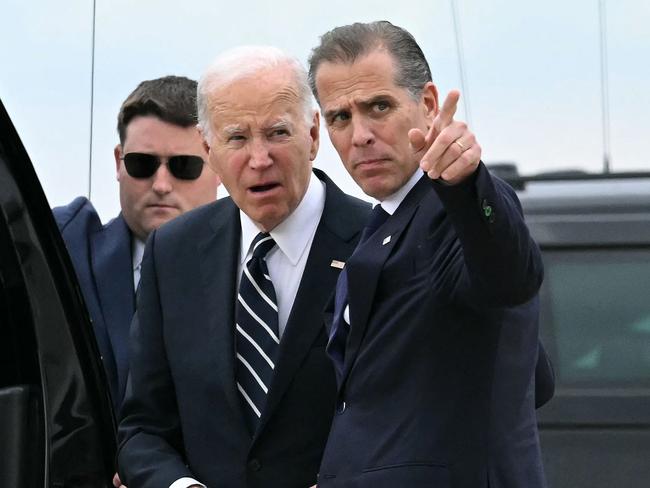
(460, 145)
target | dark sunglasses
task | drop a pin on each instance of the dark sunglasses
(183, 167)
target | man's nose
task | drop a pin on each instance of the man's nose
(260, 156)
(162, 180)
(362, 134)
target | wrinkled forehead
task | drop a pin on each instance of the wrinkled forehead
(359, 81)
(264, 92)
(379, 56)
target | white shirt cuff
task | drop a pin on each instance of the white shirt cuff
(185, 482)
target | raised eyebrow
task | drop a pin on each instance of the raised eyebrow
(364, 104)
(230, 130)
(329, 114)
(373, 100)
(280, 124)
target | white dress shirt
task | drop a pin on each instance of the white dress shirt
(286, 261)
(137, 251)
(391, 202)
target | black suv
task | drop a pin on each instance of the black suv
(594, 232)
(56, 423)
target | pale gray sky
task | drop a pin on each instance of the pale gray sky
(532, 70)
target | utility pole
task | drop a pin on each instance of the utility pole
(604, 86)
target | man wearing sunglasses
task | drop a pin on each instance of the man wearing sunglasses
(161, 173)
(229, 382)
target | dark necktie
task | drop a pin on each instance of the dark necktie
(377, 217)
(340, 328)
(256, 317)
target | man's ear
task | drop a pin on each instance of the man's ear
(314, 134)
(429, 99)
(206, 146)
(117, 152)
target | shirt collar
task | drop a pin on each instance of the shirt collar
(294, 233)
(393, 201)
(137, 251)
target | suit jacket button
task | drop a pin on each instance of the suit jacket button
(340, 407)
(254, 464)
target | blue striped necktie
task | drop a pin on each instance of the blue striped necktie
(256, 316)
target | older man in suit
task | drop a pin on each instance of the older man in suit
(161, 173)
(230, 383)
(434, 329)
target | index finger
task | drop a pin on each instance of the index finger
(444, 118)
(446, 115)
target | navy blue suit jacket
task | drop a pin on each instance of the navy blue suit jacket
(101, 255)
(182, 415)
(437, 386)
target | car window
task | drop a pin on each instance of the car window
(20, 379)
(18, 359)
(596, 304)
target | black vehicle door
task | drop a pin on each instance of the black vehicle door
(56, 424)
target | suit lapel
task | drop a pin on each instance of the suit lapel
(335, 239)
(112, 269)
(365, 266)
(218, 255)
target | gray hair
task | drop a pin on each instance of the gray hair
(347, 43)
(242, 62)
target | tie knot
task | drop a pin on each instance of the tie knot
(262, 244)
(377, 217)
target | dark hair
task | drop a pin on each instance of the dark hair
(347, 43)
(170, 98)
